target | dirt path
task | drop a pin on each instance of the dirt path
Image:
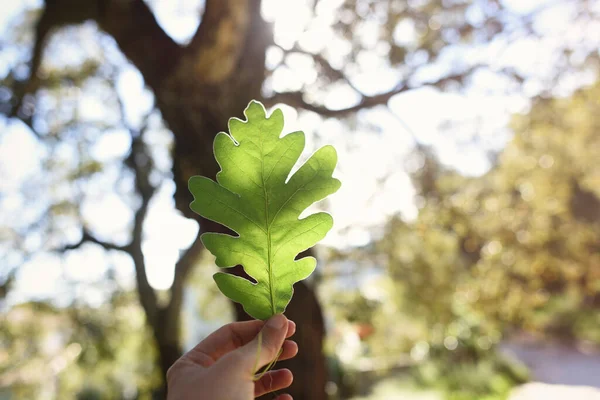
(558, 364)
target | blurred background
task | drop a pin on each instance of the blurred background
(465, 258)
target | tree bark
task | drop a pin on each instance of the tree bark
(196, 108)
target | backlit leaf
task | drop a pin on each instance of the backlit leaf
(254, 197)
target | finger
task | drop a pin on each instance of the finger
(290, 349)
(272, 336)
(284, 396)
(291, 329)
(227, 339)
(223, 340)
(272, 381)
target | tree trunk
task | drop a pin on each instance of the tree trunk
(167, 355)
(309, 367)
(196, 108)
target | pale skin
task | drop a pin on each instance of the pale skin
(223, 365)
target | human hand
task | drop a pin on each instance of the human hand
(222, 366)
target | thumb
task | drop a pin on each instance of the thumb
(272, 337)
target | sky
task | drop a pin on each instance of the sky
(371, 191)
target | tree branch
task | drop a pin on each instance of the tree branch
(141, 164)
(328, 69)
(139, 36)
(131, 23)
(296, 99)
(183, 267)
(87, 237)
(56, 14)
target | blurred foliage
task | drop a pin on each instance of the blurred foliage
(536, 218)
(77, 352)
(516, 250)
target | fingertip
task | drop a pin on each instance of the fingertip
(290, 349)
(284, 396)
(277, 321)
(273, 381)
(291, 328)
(291, 375)
(287, 375)
(267, 344)
(283, 377)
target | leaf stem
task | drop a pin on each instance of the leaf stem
(269, 366)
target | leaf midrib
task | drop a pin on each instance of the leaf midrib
(267, 224)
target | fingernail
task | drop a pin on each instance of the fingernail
(276, 322)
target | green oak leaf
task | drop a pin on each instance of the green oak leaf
(254, 197)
